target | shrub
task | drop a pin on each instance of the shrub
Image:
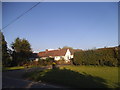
(62, 62)
(47, 61)
(104, 56)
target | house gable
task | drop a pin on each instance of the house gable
(68, 55)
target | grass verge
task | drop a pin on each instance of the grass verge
(12, 68)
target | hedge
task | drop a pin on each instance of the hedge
(103, 56)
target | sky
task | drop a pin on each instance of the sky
(50, 25)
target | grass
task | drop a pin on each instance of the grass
(20, 67)
(78, 76)
(13, 68)
(110, 74)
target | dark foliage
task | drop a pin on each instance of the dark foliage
(67, 47)
(104, 56)
(21, 51)
(63, 62)
(6, 61)
(47, 61)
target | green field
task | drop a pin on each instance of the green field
(79, 76)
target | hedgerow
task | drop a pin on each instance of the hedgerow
(103, 56)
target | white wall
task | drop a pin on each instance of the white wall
(67, 55)
(57, 58)
(71, 56)
(36, 59)
(43, 57)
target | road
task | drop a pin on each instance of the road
(13, 79)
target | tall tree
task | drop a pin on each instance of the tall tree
(5, 55)
(21, 51)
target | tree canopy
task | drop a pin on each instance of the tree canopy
(21, 51)
(5, 55)
(67, 47)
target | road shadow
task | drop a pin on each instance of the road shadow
(14, 80)
(73, 79)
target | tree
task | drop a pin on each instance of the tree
(5, 55)
(21, 51)
(66, 47)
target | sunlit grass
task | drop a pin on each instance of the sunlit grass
(110, 74)
(13, 68)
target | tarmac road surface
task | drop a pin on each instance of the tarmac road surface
(13, 79)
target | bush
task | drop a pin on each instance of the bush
(62, 62)
(47, 61)
(104, 56)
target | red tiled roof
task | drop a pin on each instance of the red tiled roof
(60, 52)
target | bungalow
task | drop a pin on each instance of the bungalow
(58, 54)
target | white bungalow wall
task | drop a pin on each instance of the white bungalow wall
(57, 58)
(67, 55)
